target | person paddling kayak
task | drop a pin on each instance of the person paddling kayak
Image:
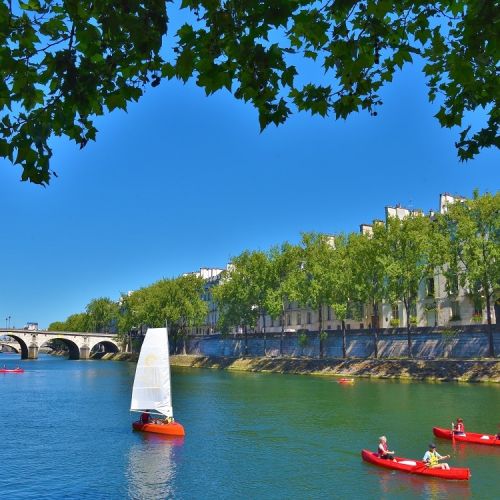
(458, 427)
(432, 458)
(383, 450)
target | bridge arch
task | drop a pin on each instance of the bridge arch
(104, 346)
(73, 349)
(22, 344)
(10, 346)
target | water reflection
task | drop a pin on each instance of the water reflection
(152, 466)
(394, 483)
(470, 450)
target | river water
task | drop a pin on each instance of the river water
(66, 433)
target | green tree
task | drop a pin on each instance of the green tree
(57, 326)
(316, 276)
(409, 257)
(473, 229)
(284, 282)
(175, 301)
(241, 294)
(343, 290)
(368, 271)
(78, 322)
(102, 314)
(63, 63)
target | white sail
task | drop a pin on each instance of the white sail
(152, 375)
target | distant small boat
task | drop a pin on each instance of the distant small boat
(468, 437)
(346, 381)
(151, 392)
(13, 370)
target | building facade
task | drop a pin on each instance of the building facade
(435, 306)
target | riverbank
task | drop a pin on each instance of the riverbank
(446, 370)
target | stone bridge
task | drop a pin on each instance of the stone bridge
(9, 346)
(79, 344)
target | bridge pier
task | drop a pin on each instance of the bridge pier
(84, 352)
(33, 351)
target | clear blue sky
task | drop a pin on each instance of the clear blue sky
(183, 181)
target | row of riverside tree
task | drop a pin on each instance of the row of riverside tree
(342, 272)
(388, 265)
(177, 301)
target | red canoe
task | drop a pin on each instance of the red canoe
(346, 381)
(171, 429)
(415, 467)
(470, 437)
(14, 370)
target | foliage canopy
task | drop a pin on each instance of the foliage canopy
(66, 62)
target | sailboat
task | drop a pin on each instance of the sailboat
(151, 393)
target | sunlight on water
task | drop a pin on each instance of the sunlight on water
(66, 433)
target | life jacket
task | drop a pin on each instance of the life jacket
(459, 427)
(382, 449)
(433, 459)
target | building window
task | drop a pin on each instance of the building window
(361, 326)
(299, 319)
(288, 320)
(309, 318)
(455, 311)
(348, 326)
(430, 287)
(329, 313)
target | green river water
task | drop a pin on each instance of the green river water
(66, 434)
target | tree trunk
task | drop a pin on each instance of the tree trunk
(490, 328)
(245, 330)
(320, 319)
(375, 330)
(264, 329)
(408, 327)
(282, 330)
(344, 341)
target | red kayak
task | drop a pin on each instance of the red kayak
(469, 437)
(14, 370)
(170, 429)
(346, 381)
(415, 467)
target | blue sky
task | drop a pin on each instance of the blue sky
(183, 181)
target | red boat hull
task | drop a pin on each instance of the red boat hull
(346, 381)
(15, 370)
(171, 429)
(415, 467)
(470, 437)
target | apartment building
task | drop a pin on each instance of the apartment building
(211, 277)
(435, 306)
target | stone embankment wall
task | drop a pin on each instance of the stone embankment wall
(442, 370)
(428, 343)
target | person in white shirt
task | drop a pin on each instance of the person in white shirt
(432, 458)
